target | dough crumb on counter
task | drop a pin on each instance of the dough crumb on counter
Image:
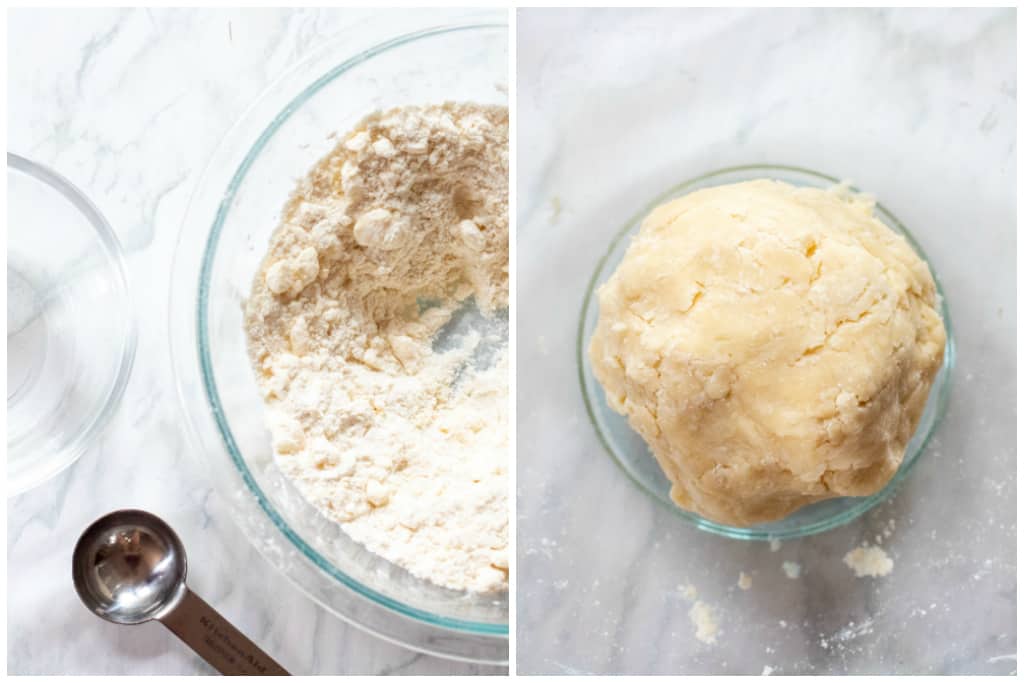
(745, 582)
(868, 561)
(704, 620)
(791, 570)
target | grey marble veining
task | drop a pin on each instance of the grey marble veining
(616, 106)
(129, 104)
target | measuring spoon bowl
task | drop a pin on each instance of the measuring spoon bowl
(129, 567)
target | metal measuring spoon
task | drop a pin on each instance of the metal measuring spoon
(129, 567)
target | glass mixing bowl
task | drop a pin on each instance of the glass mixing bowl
(630, 451)
(223, 239)
(70, 328)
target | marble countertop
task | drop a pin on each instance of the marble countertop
(616, 106)
(129, 104)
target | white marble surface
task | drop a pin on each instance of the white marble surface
(614, 107)
(129, 104)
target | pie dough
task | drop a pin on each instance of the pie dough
(773, 345)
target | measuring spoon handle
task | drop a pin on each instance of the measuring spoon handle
(218, 642)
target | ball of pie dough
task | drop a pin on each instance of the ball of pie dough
(773, 345)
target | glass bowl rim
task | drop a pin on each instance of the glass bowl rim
(943, 376)
(202, 338)
(115, 263)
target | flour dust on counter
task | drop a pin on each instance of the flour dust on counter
(377, 332)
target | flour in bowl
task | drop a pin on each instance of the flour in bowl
(387, 414)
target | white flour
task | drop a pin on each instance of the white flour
(402, 443)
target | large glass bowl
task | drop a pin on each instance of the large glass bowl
(223, 239)
(630, 451)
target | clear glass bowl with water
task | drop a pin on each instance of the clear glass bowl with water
(70, 328)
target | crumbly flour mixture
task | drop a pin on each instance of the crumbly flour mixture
(400, 439)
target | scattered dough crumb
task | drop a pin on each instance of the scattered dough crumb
(704, 620)
(688, 591)
(868, 561)
(767, 670)
(775, 545)
(791, 569)
(745, 581)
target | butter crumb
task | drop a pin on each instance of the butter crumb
(868, 561)
(704, 620)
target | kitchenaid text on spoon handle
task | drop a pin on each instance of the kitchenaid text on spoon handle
(218, 642)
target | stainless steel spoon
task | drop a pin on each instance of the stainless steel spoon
(129, 567)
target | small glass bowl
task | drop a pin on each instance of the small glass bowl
(236, 208)
(632, 454)
(70, 328)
